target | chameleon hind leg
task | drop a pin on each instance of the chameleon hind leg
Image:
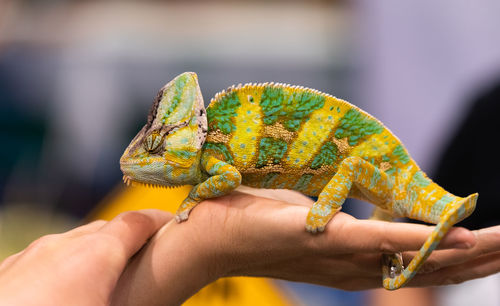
(352, 170)
(223, 179)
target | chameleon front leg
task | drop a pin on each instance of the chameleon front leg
(223, 179)
(351, 170)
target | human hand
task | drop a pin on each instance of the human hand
(467, 260)
(78, 267)
(243, 234)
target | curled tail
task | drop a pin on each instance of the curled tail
(445, 210)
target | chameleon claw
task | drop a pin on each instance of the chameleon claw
(393, 264)
(311, 229)
(182, 216)
(314, 229)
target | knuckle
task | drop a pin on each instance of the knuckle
(430, 266)
(453, 280)
(386, 245)
(43, 242)
(98, 222)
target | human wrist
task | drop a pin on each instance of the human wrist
(173, 259)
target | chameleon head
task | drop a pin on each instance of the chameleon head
(167, 150)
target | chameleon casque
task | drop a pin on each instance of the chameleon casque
(274, 135)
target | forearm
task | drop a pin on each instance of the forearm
(167, 272)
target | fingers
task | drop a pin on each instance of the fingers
(389, 237)
(480, 267)
(488, 241)
(132, 229)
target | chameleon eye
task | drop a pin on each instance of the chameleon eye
(153, 142)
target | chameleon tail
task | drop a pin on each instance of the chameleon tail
(452, 213)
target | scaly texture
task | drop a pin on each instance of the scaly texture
(281, 136)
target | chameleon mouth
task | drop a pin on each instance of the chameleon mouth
(130, 182)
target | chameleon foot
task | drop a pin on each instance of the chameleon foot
(182, 213)
(313, 229)
(318, 217)
(181, 216)
(392, 264)
(316, 224)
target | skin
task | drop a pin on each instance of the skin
(245, 234)
(239, 234)
(78, 267)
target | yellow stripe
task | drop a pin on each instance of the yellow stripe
(376, 145)
(244, 142)
(315, 132)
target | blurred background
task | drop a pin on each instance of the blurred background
(77, 79)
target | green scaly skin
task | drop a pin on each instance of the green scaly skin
(288, 137)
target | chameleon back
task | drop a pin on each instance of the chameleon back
(289, 137)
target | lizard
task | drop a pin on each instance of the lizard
(274, 135)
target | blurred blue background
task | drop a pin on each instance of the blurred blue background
(77, 79)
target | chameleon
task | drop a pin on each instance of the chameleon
(274, 135)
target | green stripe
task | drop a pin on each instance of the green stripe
(303, 182)
(400, 152)
(180, 82)
(440, 205)
(420, 179)
(356, 126)
(291, 107)
(219, 115)
(270, 149)
(271, 103)
(268, 180)
(327, 155)
(184, 154)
